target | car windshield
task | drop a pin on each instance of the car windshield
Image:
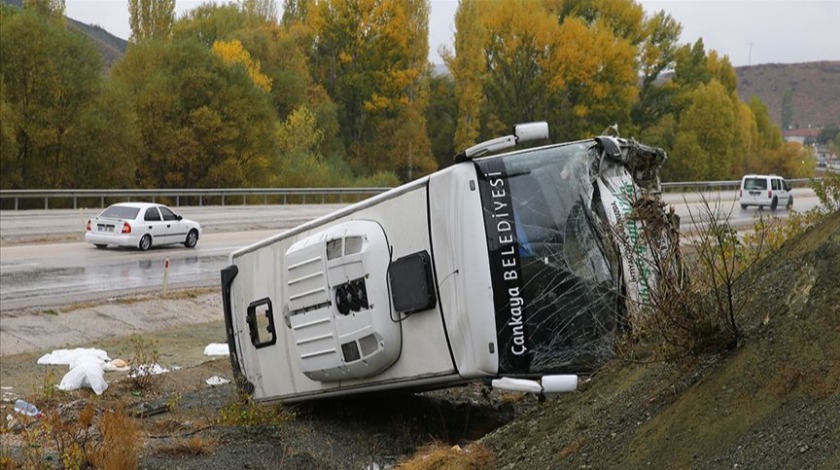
(554, 290)
(120, 212)
(755, 183)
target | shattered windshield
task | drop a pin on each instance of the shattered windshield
(553, 284)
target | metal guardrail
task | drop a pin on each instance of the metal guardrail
(279, 194)
(719, 185)
(224, 194)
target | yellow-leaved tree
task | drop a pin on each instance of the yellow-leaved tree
(370, 56)
(233, 53)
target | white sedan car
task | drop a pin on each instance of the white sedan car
(141, 224)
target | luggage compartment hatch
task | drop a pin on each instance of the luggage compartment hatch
(337, 303)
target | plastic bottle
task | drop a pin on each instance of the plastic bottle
(26, 408)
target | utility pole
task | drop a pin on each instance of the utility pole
(750, 59)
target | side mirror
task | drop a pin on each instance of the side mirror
(178, 217)
(521, 133)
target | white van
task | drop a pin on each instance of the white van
(765, 190)
(500, 268)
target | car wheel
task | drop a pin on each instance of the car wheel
(743, 206)
(761, 208)
(192, 239)
(101, 246)
(790, 203)
(774, 204)
(145, 242)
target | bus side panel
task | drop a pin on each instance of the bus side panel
(275, 370)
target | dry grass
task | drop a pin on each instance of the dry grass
(191, 447)
(171, 295)
(439, 456)
(89, 438)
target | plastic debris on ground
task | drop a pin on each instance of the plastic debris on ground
(217, 349)
(26, 408)
(216, 380)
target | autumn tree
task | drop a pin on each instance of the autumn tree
(571, 63)
(266, 10)
(294, 12)
(151, 19)
(202, 122)
(50, 86)
(280, 59)
(299, 161)
(233, 53)
(466, 64)
(370, 56)
(594, 80)
(46, 8)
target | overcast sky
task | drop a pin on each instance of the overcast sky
(750, 32)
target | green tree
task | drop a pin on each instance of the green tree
(46, 8)
(299, 162)
(467, 66)
(691, 69)
(441, 118)
(202, 122)
(281, 59)
(704, 148)
(266, 10)
(827, 134)
(787, 109)
(49, 76)
(657, 53)
(105, 143)
(294, 12)
(769, 134)
(151, 19)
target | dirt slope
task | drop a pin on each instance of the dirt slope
(772, 403)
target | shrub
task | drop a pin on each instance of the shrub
(145, 357)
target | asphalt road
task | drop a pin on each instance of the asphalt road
(43, 261)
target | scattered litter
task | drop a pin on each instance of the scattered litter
(116, 365)
(148, 369)
(144, 410)
(216, 380)
(87, 368)
(26, 408)
(217, 349)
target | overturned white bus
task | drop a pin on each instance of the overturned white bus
(501, 268)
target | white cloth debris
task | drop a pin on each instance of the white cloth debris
(216, 380)
(217, 349)
(72, 356)
(85, 374)
(87, 368)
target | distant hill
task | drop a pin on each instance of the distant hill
(815, 87)
(111, 47)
